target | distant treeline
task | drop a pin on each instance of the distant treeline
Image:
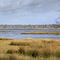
(27, 26)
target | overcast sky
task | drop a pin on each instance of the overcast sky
(28, 11)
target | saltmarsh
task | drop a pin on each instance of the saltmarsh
(30, 49)
(54, 32)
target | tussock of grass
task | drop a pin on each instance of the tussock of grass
(2, 57)
(11, 51)
(21, 50)
(5, 38)
(57, 53)
(41, 32)
(11, 57)
(35, 53)
(50, 41)
(19, 43)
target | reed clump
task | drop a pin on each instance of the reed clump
(11, 51)
(21, 50)
(20, 43)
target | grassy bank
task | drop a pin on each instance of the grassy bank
(41, 32)
(1, 38)
(6, 31)
(30, 49)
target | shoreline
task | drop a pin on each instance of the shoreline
(31, 28)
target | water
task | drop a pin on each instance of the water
(17, 34)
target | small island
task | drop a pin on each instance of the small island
(54, 32)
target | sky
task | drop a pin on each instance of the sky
(29, 12)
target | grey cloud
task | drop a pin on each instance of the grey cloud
(30, 6)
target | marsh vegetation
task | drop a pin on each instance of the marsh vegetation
(30, 49)
(54, 32)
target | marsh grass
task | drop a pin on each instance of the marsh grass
(45, 48)
(50, 41)
(19, 43)
(5, 38)
(36, 49)
(11, 57)
(21, 50)
(57, 54)
(2, 57)
(11, 51)
(55, 32)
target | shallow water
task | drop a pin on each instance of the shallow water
(17, 34)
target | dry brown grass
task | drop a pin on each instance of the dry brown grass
(1, 38)
(5, 31)
(55, 32)
(36, 49)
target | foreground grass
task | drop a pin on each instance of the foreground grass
(41, 32)
(30, 49)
